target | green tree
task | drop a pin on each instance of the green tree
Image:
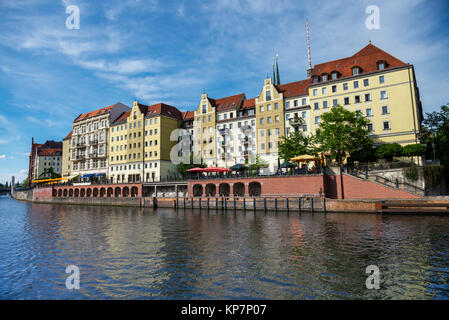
(295, 144)
(412, 150)
(25, 183)
(49, 173)
(388, 151)
(182, 168)
(257, 165)
(342, 132)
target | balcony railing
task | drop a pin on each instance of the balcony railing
(296, 121)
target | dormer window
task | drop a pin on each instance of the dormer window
(355, 71)
(334, 75)
(381, 64)
(324, 77)
(315, 79)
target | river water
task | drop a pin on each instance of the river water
(132, 253)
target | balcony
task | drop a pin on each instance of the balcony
(81, 145)
(296, 121)
(94, 142)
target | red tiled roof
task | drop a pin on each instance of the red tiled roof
(187, 115)
(249, 103)
(296, 88)
(161, 109)
(227, 103)
(91, 114)
(365, 59)
(122, 117)
(49, 152)
(68, 136)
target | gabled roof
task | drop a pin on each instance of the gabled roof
(161, 109)
(97, 112)
(49, 152)
(249, 103)
(68, 136)
(187, 115)
(122, 118)
(296, 88)
(227, 103)
(365, 59)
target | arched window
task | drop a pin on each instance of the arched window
(356, 70)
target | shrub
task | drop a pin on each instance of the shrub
(433, 174)
(412, 150)
(364, 155)
(388, 151)
(411, 173)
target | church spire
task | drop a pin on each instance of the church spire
(278, 80)
(273, 80)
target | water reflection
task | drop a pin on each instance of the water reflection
(131, 253)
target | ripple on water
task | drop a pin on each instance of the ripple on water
(127, 253)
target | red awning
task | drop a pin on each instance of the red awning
(196, 170)
(214, 169)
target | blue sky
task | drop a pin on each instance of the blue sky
(172, 51)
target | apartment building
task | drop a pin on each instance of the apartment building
(89, 152)
(44, 158)
(376, 84)
(66, 145)
(142, 143)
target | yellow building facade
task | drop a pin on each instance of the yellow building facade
(140, 144)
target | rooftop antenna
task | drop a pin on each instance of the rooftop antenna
(309, 69)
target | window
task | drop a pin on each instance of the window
(262, 121)
(269, 120)
(386, 125)
(287, 104)
(358, 113)
(317, 119)
(367, 97)
(357, 99)
(346, 100)
(356, 84)
(262, 133)
(334, 88)
(345, 86)
(268, 95)
(262, 146)
(295, 103)
(276, 119)
(262, 108)
(324, 77)
(287, 116)
(370, 127)
(315, 92)
(303, 101)
(355, 71)
(204, 109)
(385, 110)
(304, 114)
(209, 118)
(365, 82)
(269, 132)
(316, 106)
(276, 106)
(324, 104)
(369, 112)
(268, 107)
(381, 79)
(324, 90)
(334, 102)
(383, 94)
(381, 66)
(334, 76)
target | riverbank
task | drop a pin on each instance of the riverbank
(281, 204)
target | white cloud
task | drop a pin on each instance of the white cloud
(123, 66)
(2, 156)
(19, 176)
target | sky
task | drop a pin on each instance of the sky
(173, 51)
